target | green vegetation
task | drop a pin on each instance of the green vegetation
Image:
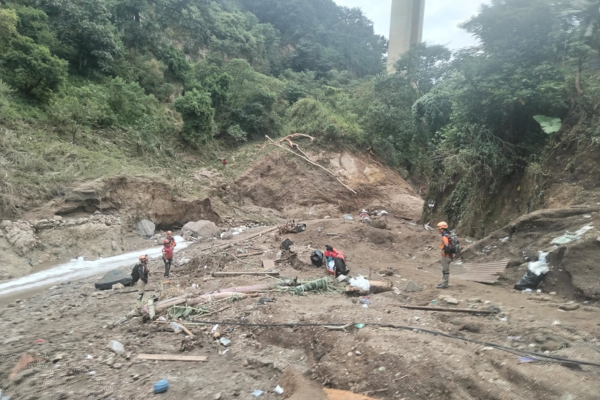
(94, 87)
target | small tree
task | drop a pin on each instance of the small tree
(31, 68)
(198, 116)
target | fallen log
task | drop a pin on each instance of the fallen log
(171, 357)
(238, 273)
(443, 309)
(258, 253)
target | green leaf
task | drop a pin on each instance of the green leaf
(549, 124)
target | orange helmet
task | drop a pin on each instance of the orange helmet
(442, 225)
(169, 233)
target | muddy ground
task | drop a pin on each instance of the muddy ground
(67, 328)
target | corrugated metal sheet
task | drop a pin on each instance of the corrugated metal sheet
(482, 273)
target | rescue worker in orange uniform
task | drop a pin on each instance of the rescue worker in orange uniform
(446, 254)
(171, 239)
(167, 253)
(335, 261)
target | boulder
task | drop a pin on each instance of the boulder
(145, 228)
(111, 278)
(202, 228)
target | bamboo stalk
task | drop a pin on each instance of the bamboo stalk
(311, 162)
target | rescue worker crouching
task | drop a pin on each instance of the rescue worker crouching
(447, 254)
(335, 262)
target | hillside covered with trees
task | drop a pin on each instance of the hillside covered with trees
(96, 87)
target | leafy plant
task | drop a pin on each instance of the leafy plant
(549, 124)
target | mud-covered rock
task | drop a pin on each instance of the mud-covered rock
(145, 228)
(203, 229)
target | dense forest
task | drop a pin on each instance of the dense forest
(158, 76)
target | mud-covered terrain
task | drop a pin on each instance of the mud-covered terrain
(66, 329)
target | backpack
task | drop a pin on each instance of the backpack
(316, 258)
(454, 244)
(135, 274)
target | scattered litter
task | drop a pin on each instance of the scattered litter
(39, 341)
(569, 237)
(224, 352)
(161, 386)
(92, 373)
(556, 322)
(89, 357)
(527, 359)
(225, 342)
(360, 282)
(586, 216)
(278, 389)
(536, 270)
(365, 301)
(359, 326)
(161, 318)
(539, 290)
(320, 229)
(116, 346)
(515, 338)
(174, 327)
(257, 393)
(505, 239)
(348, 217)
(427, 227)
(342, 278)
(382, 212)
(214, 328)
(381, 369)
(527, 291)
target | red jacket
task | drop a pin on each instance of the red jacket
(167, 252)
(335, 254)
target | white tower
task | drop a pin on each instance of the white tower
(406, 28)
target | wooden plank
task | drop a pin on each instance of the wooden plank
(171, 357)
(443, 309)
(268, 264)
(239, 273)
(244, 255)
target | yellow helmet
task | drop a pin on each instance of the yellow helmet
(442, 225)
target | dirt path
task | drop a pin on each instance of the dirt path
(76, 323)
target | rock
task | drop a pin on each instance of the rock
(57, 218)
(113, 245)
(118, 286)
(87, 288)
(452, 301)
(117, 366)
(145, 228)
(412, 287)
(551, 345)
(218, 396)
(475, 300)
(379, 223)
(386, 272)
(116, 346)
(249, 307)
(569, 307)
(540, 338)
(202, 228)
(469, 327)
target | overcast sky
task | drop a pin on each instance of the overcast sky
(441, 19)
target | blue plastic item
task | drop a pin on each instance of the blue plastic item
(161, 386)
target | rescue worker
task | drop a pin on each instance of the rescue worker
(335, 262)
(167, 253)
(224, 163)
(144, 273)
(446, 254)
(171, 239)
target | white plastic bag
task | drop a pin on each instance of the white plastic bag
(539, 267)
(360, 282)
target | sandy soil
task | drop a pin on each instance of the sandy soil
(76, 323)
